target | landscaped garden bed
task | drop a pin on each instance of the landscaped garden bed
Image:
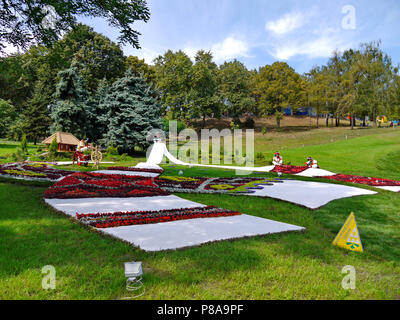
(98, 185)
(118, 219)
(32, 171)
(374, 182)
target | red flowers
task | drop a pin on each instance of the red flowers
(98, 185)
(375, 182)
(159, 171)
(117, 219)
(289, 169)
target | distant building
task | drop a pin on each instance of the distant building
(303, 111)
(67, 142)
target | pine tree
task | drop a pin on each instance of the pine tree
(132, 113)
(98, 111)
(37, 116)
(71, 113)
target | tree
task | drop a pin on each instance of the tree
(37, 119)
(53, 148)
(25, 22)
(204, 92)
(99, 57)
(132, 113)
(7, 116)
(140, 68)
(234, 88)
(174, 79)
(70, 112)
(279, 86)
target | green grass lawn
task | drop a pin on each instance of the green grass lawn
(286, 266)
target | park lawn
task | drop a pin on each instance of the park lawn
(286, 266)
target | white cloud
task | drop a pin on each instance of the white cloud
(147, 54)
(321, 46)
(286, 24)
(229, 49)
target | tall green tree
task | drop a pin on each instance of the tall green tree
(174, 79)
(70, 112)
(204, 92)
(133, 112)
(234, 88)
(279, 86)
(8, 115)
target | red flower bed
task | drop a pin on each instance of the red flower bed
(289, 169)
(159, 171)
(375, 182)
(117, 219)
(92, 185)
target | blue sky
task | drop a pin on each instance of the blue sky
(259, 32)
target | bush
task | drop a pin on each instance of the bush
(234, 125)
(19, 155)
(264, 131)
(180, 125)
(123, 157)
(53, 148)
(249, 123)
(24, 144)
(260, 156)
(112, 151)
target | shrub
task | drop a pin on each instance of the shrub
(124, 156)
(264, 131)
(234, 125)
(53, 148)
(180, 125)
(24, 144)
(249, 123)
(19, 155)
(112, 151)
(260, 156)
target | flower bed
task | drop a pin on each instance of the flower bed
(117, 219)
(147, 170)
(212, 185)
(374, 182)
(99, 185)
(287, 169)
(32, 170)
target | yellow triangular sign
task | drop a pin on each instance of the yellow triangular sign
(348, 237)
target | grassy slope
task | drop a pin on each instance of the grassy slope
(287, 266)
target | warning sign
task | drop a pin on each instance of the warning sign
(348, 237)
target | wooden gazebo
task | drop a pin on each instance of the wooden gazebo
(67, 142)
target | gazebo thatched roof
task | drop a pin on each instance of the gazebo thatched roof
(63, 138)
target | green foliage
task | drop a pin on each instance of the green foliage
(24, 144)
(133, 113)
(278, 86)
(234, 87)
(70, 112)
(260, 156)
(7, 116)
(53, 148)
(22, 21)
(264, 131)
(173, 76)
(179, 125)
(19, 155)
(112, 151)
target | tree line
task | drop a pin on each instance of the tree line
(69, 86)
